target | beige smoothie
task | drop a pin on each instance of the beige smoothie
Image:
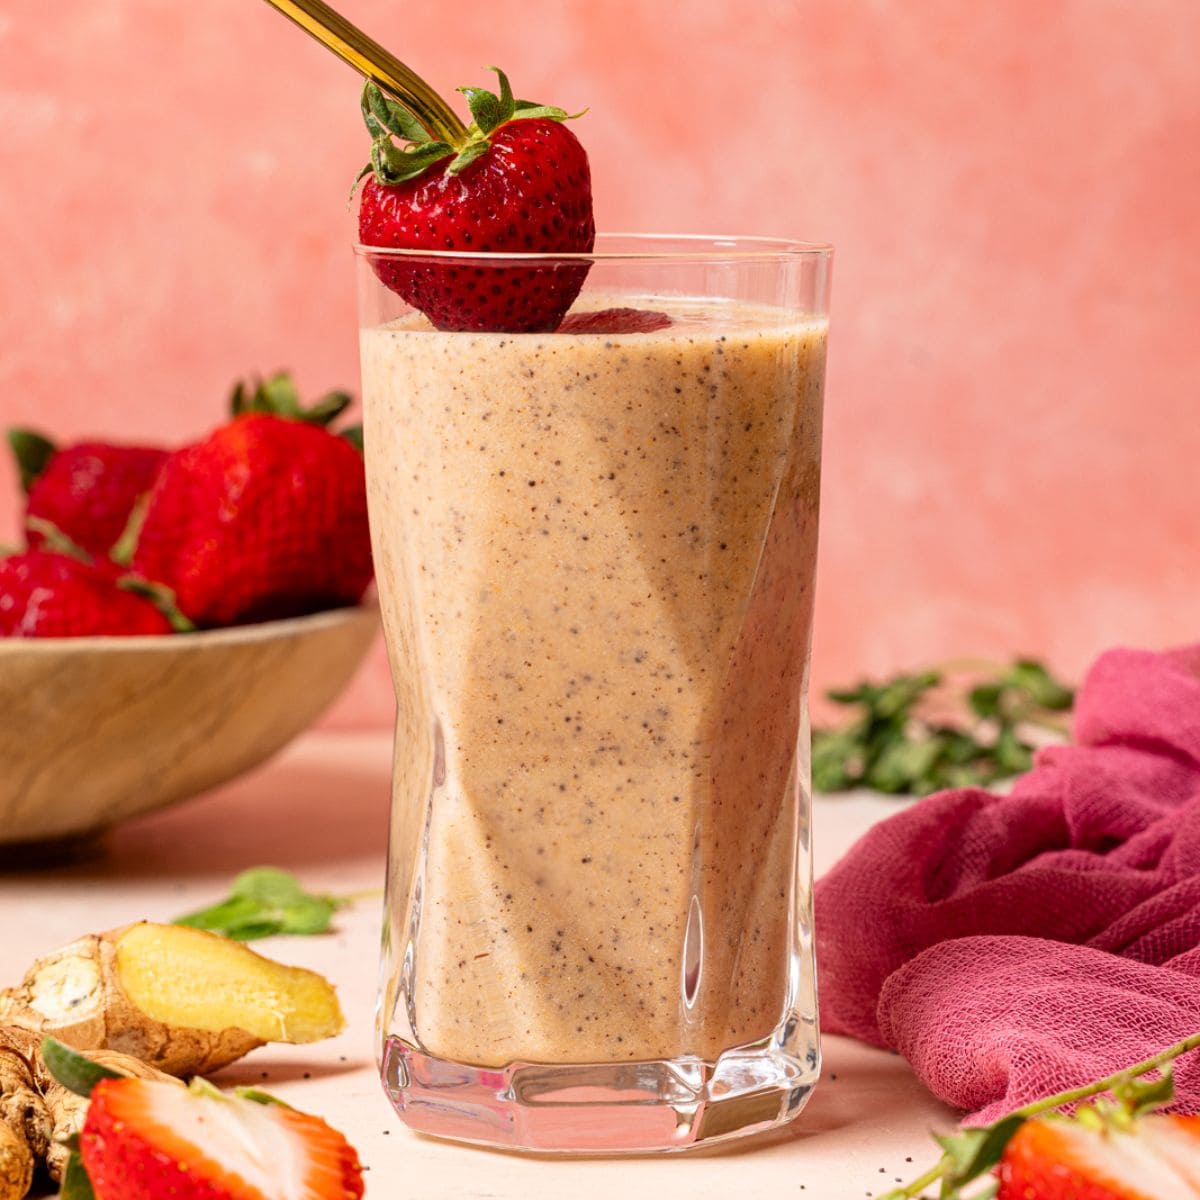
(595, 557)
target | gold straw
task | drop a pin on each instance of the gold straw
(369, 58)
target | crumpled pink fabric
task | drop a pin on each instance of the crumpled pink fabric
(1014, 946)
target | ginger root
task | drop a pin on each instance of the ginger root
(155, 1001)
(182, 1000)
(26, 1124)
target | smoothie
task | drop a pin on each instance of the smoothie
(595, 558)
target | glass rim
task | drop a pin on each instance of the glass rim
(683, 247)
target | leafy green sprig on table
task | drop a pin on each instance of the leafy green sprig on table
(892, 748)
(265, 901)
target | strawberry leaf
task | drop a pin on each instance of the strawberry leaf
(327, 409)
(1137, 1096)
(75, 1182)
(382, 114)
(484, 106)
(393, 165)
(488, 109)
(975, 1151)
(73, 1070)
(278, 394)
(466, 156)
(508, 105)
(32, 451)
(354, 435)
(161, 596)
(527, 110)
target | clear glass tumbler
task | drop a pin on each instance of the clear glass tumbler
(595, 553)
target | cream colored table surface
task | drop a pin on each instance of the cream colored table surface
(320, 809)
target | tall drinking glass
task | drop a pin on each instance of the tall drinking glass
(595, 553)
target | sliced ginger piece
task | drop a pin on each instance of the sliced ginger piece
(185, 1001)
(226, 985)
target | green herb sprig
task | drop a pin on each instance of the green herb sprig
(891, 747)
(265, 901)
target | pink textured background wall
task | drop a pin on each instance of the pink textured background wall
(1014, 191)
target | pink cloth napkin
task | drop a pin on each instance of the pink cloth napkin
(1013, 946)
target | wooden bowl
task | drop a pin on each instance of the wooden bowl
(95, 730)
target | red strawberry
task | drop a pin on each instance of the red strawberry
(46, 594)
(87, 490)
(149, 1140)
(1153, 1158)
(517, 183)
(265, 518)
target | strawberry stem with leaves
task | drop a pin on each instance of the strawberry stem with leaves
(972, 1152)
(387, 119)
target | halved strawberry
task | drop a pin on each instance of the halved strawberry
(1055, 1158)
(616, 320)
(149, 1140)
(518, 183)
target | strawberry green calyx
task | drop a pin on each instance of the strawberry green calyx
(162, 597)
(75, 1071)
(386, 119)
(32, 451)
(278, 396)
(54, 539)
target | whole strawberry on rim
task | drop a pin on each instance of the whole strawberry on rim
(517, 183)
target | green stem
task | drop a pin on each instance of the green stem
(918, 1185)
(1103, 1085)
(1032, 1109)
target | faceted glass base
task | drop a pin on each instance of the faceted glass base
(600, 1108)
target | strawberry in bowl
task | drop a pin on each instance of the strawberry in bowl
(44, 593)
(116, 703)
(87, 490)
(265, 518)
